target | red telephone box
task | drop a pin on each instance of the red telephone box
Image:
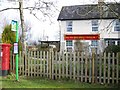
(5, 55)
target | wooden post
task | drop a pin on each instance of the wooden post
(82, 56)
(31, 70)
(34, 70)
(100, 68)
(95, 65)
(56, 65)
(90, 68)
(26, 60)
(71, 62)
(41, 70)
(59, 66)
(74, 65)
(20, 64)
(66, 65)
(104, 80)
(37, 63)
(28, 65)
(47, 64)
(50, 67)
(63, 64)
(78, 65)
(93, 60)
(117, 68)
(109, 68)
(44, 60)
(113, 68)
(23, 67)
(86, 66)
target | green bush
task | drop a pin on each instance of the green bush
(9, 37)
(112, 49)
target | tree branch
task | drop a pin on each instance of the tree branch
(8, 9)
(35, 8)
(23, 8)
(42, 6)
(112, 10)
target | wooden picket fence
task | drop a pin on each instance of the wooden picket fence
(84, 67)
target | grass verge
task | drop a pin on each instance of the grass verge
(27, 82)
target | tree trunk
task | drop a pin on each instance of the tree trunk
(22, 25)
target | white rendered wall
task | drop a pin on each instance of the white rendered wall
(85, 27)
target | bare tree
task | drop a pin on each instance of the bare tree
(22, 25)
(44, 7)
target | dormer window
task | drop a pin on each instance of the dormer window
(94, 25)
(117, 25)
(69, 26)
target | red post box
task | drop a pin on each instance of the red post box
(5, 58)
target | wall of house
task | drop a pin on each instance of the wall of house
(107, 32)
(105, 29)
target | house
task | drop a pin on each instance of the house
(94, 25)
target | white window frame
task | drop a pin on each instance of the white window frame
(94, 25)
(94, 42)
(69, 25)
(69, 43)
(117, 25)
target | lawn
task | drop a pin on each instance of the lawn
(25, 82)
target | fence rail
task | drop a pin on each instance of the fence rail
(102, 68)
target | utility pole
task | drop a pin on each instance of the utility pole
(22, 25)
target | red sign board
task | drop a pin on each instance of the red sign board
(82, 37)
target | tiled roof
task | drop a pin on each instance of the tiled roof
(91, 11)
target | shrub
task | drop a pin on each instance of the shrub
(112, 49)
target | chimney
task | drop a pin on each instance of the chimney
(100, 6)
(100, 3)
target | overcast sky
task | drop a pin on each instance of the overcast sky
(52, 30)
(40, 29)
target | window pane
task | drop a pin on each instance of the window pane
(117, 22)
(94, 25)
(69, 26)
(94, 28)
(94, 43)
(69, 29)
(69, 23)
(69, 43)
(117, 28)
(117, 25)
(94, 22)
